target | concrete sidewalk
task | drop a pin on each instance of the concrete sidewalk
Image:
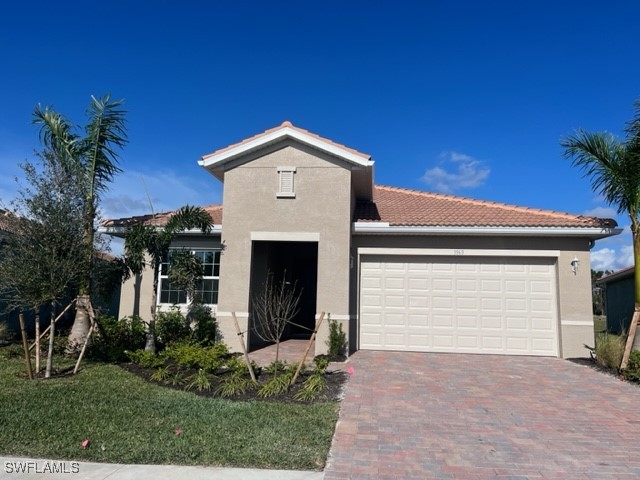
(29, 468)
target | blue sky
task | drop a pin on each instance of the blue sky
(469, 98)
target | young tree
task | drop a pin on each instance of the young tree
(274, 306)
(144, 239)
(613, 166)
(92, 159)
(39, 260)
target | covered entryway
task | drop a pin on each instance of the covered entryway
(297, 264)
(494, 305)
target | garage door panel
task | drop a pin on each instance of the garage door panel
(449, 304)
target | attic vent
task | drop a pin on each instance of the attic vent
(285, 181)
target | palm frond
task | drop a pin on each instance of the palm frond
(612, 168)
(189, 217)
(106, 134)
(56, 134)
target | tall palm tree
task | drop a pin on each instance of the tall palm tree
(92, 157)
(145, 240)
(613, 166)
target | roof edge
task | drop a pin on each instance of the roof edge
(379, 228)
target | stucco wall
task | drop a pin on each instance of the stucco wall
(322, 206)
(574, 290)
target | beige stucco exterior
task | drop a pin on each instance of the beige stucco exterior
(326, 189)
(321, 209)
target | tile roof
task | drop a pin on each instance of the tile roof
(403, 207)
(287, 124)
(160, 218)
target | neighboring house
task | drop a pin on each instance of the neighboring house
(401, 269)
(619, 299)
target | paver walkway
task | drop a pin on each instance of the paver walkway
(291, 351)
(415, 415)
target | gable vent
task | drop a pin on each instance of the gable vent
(286, 182)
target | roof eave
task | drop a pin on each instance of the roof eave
(212, 162)
(382, 228)
(121, 231)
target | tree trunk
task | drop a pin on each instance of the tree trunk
(52, 334)
(150, 345)
(37, 311)
(81, 325)
(635, 231)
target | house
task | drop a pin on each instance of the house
(401, 269)
(619, 299)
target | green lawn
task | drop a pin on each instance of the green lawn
(130, 421)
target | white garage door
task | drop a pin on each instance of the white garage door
(459, 304)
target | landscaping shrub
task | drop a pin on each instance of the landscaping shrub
(172, 327)
(609, 350)
(116, 337)
(191, 355)
(337, 341)
(146, 359)
(199, 381)
(632, 372)
(204, 325)
(316, 383)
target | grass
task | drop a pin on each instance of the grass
(609, 349)
(128, 420)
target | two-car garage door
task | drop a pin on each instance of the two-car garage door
(494, 305)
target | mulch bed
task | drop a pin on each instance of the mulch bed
(335, 385)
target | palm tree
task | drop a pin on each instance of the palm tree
(146, 239)
(614, 168)
(92, 157)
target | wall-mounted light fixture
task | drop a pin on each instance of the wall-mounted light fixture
(575, 263)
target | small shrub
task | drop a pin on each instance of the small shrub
(276, 367)
(204, 325)
(191, 355)
(161, 374)
(176, 379)
(275, 386)
(172, 327)
(236, 383)
(12, 351)
(145, 359)
(200, 381)
(116, 337)
(632, 372)
(337, 341)
(609, 350)
(312, 387)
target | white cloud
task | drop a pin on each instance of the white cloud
(610, 259)
(601, 212)
(468, 172)
(625, 258)
(603, 259)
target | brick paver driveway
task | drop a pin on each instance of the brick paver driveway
(415, 415)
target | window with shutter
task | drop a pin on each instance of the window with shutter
(286, 182)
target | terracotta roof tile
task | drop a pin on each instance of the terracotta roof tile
(290, 125)
(403, 207)
(160, 218)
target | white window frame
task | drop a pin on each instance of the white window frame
(162, 277)
(286, 182)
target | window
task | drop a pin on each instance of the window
(285, 182)
(207, 292)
